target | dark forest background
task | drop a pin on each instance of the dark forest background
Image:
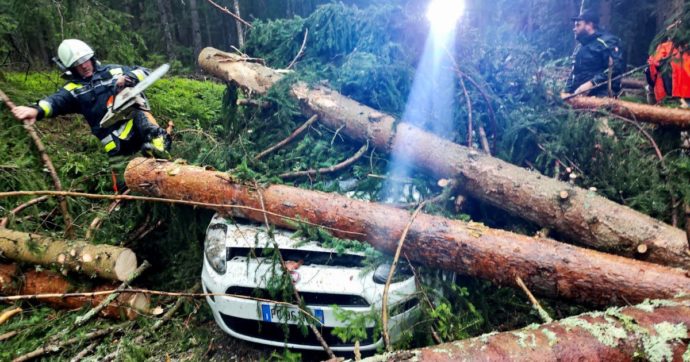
(135, 31)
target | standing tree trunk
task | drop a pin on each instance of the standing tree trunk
(550, 268)
(652, 331)
(240, 32)
(196, 29)
(605, 12)
(581, 215)
(167, 29)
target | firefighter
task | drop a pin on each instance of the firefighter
(599, 59)
(90, 85)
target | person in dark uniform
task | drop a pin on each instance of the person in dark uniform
(90, 85)
(598, 60)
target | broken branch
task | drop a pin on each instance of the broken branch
(331, 169)
(289, 139)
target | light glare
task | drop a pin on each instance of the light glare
(444, 14)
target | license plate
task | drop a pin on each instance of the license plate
(271, 313)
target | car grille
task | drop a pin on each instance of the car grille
(311, 299)
(307, 257)
(275, 332)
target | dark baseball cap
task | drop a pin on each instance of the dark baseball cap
(588, 16)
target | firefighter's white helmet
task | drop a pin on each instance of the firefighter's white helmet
(73, 52)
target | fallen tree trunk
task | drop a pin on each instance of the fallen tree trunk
(653, 331)
(13, 282)
(548, 267)
(106, 261)
(632, 83)
(642, 112)
(582, 216)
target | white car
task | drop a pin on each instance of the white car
(233, 264)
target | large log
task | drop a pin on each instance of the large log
(652, 331)
(105, 261)
(13, 282)
(550, 268)
(582, 216)
(642, 112)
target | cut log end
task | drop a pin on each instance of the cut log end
(642, 248)
(125, 264)
(137, 304)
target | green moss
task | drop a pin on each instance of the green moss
(650, 305)
(657, 348)
(551, 336)
(606, 333)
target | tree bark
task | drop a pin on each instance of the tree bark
(653, 331)
(642, 112)
(106, 261)
(196, 28)
(240, 32)
(583, 216)
(548, 267)
(167, 29)
(13, 282)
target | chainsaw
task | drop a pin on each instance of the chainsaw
(130, 99)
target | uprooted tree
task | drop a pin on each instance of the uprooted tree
(580, 215)
(548, 267)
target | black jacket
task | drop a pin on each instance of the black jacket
(89, 97)
(591, 63)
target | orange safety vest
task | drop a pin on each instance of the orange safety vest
(680, 71)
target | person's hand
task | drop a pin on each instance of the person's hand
(120, 83)
(584, 88)
(26, 114)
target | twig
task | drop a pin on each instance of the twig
(168, 201)
(7, 314)
(14, 298)
(69, 231)
(252, 102)
(384, 310)
(286, 271)
(8, 335)
(225, 10)
(18, 209)
(571, 96)
(418, 283)
(56, 347)
(166, 317)
(330, 169)
(289, 139)
(86, 317)
(469, 113)
(98, 221)
(84, 352)
(687, 221)
(301, 49)
(535, 303)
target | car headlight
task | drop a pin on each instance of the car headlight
(214, 247)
